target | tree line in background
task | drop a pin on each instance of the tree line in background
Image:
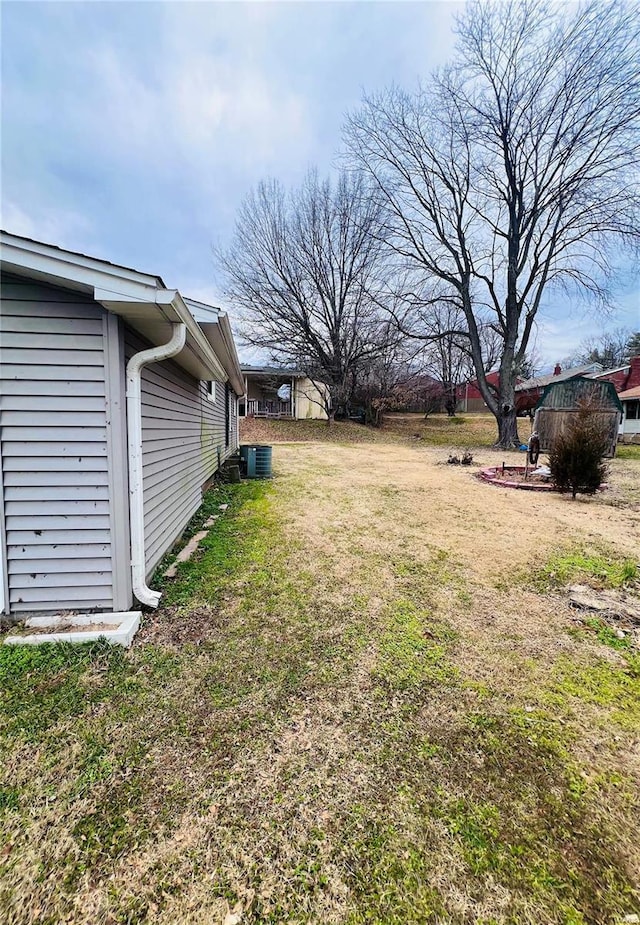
(459, 205)
(610, 350)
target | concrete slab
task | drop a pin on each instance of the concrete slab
(185, 554)
(127, 624)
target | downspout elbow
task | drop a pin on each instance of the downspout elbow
(134, 440)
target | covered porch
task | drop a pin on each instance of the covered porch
(270, 393)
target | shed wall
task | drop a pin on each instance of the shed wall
(551, 422)
(55, 444)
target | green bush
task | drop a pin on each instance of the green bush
(577, 456)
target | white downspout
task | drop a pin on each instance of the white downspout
(134, 438)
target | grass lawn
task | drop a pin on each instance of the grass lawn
(461, 431)
(366, 700)
(628, 451)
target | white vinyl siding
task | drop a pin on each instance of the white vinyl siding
(53, 411)
(183, 440)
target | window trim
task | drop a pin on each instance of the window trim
(211, 390)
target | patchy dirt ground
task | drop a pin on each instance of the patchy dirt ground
(410, 496)
(366, 700)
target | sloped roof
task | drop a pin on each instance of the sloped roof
(565, 395)
(65, 252)
(215, 323)
(608, 372)
(539, 382)
(272, 371)
(630, 393)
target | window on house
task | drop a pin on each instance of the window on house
(633, 410)
(211, 390)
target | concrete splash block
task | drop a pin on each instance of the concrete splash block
(185, 554)
(118, 629)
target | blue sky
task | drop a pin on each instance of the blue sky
(132, 131)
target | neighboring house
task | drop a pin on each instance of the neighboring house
(528, 393)
(626, 380)
(629, 431)
(271, 392)
(117, 408)
(618, 377)
(624, 377)
(470, 396)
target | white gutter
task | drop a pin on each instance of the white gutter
(134, 437)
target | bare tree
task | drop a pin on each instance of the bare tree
(530, 365)
(426, 316)
(447, 352)
(633, 345)
(390, 378)
(611, 349)
(305, 270)
(512, 170)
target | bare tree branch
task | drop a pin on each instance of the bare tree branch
(307, 271)
(514, 169)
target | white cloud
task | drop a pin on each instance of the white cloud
(196, 106)
(62, 227)
(557, 340)
(203, 292)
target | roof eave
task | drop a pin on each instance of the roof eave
(271, 371)
(153, 320)
(220, 337)
(236, 373)
(140, 299)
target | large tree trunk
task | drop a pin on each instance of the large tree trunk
(507, 419)
(506, 412)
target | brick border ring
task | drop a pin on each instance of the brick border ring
(493, 475)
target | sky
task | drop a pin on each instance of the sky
(133, 131)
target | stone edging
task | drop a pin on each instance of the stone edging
(491, 476)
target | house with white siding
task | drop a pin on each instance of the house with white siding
(118, 403)
(273, 392)
(629, 430)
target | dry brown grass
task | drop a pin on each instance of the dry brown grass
(438, 430)
(460, 432)
(384, 719)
